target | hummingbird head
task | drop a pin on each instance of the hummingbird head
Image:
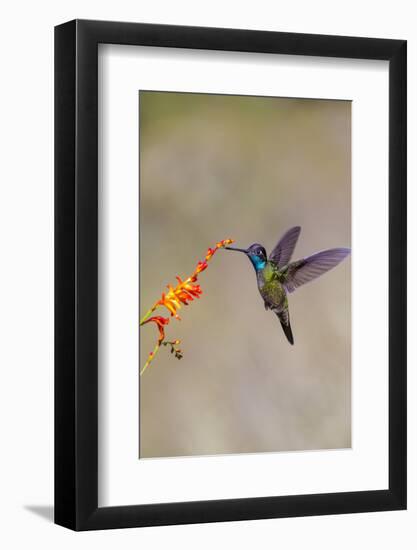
(256, 254)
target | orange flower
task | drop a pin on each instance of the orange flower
(201, 266)
(186, 291)
(182, 294)
(160, 322)
(210, 253)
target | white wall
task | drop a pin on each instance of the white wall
(26, 299)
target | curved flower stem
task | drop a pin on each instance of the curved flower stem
(147, 315)
(150, 357)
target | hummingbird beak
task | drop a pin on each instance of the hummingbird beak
(237, 249)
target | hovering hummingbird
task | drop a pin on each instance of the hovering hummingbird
(276, 276)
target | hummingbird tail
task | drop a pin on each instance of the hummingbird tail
(288, 332)
(284, 318)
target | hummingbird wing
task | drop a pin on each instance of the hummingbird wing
(281, 254)
(307, 269)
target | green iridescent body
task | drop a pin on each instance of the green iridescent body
(270, 286)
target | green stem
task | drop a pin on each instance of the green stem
(151, 357)
(147, 315)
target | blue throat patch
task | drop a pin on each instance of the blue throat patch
(257, 262)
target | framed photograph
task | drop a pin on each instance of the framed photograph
(230, 252)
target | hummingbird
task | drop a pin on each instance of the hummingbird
(277, 276)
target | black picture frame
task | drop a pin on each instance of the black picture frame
(76, 272)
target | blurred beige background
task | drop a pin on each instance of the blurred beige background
(213, 167)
